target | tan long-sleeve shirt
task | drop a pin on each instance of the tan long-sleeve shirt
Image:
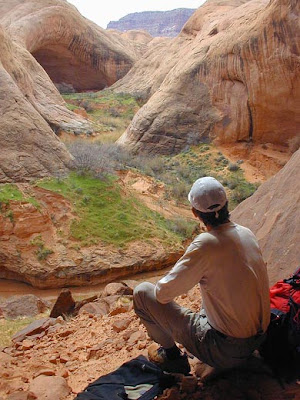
(228, 265)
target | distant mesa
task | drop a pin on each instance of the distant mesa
(157, 23)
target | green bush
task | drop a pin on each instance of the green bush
(233, 167)
(42, 252)
(182, 227)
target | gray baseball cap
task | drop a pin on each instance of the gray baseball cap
(207, 195)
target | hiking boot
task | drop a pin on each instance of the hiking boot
(179, 365)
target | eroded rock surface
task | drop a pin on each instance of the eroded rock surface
(34, 249)
(273, 214)
(231, 74)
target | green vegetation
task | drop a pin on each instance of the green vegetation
(180, 171)
(42, 252)
(177, 172)
(106, 213)
(110, 112)
(9, 192)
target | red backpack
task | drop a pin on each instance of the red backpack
(281, 349)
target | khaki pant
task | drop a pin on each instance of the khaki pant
(170, 323)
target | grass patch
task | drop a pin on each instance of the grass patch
(107, 214)
(10, 192)
(9, 327)
(109, 112)
(42, 251)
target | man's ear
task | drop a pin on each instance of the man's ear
(194, 211)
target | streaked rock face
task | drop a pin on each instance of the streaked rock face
(231, 74)
(273, 214)
(70, 48)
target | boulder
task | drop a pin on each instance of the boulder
(96, 308)
(36, 327)
(50, 387)
(121, 325)
(114, 288)
(273, 214)
(231, 74)
(27, 305)
(64, 305)
(112, 305)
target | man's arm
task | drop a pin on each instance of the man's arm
(185, 274)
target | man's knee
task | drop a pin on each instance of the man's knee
(142, 291)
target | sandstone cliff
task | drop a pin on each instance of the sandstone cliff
(231, 74)
(157, 23)
(42, 42)
(273, 214)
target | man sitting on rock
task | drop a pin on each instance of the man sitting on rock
(227, 263)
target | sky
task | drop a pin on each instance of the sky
(102, 12)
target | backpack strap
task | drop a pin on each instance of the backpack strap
(294, 280)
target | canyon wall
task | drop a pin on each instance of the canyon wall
(231, 74)
(43, 42)
(273, 214)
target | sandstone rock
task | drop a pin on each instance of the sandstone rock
(114, 289)
(79, 304)
(123, 305)
(64, 305)
(95, 308)
(135, 337)
(220, 78)
(50, 387)
(157, 23)
(44, 371)
(33, 328)
(66, 333)
(27, 344)
(18, 396)
(131, 283)
(96, 352)
(272, 213)
(120, 325)
(26, 305)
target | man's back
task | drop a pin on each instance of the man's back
(227, 263)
